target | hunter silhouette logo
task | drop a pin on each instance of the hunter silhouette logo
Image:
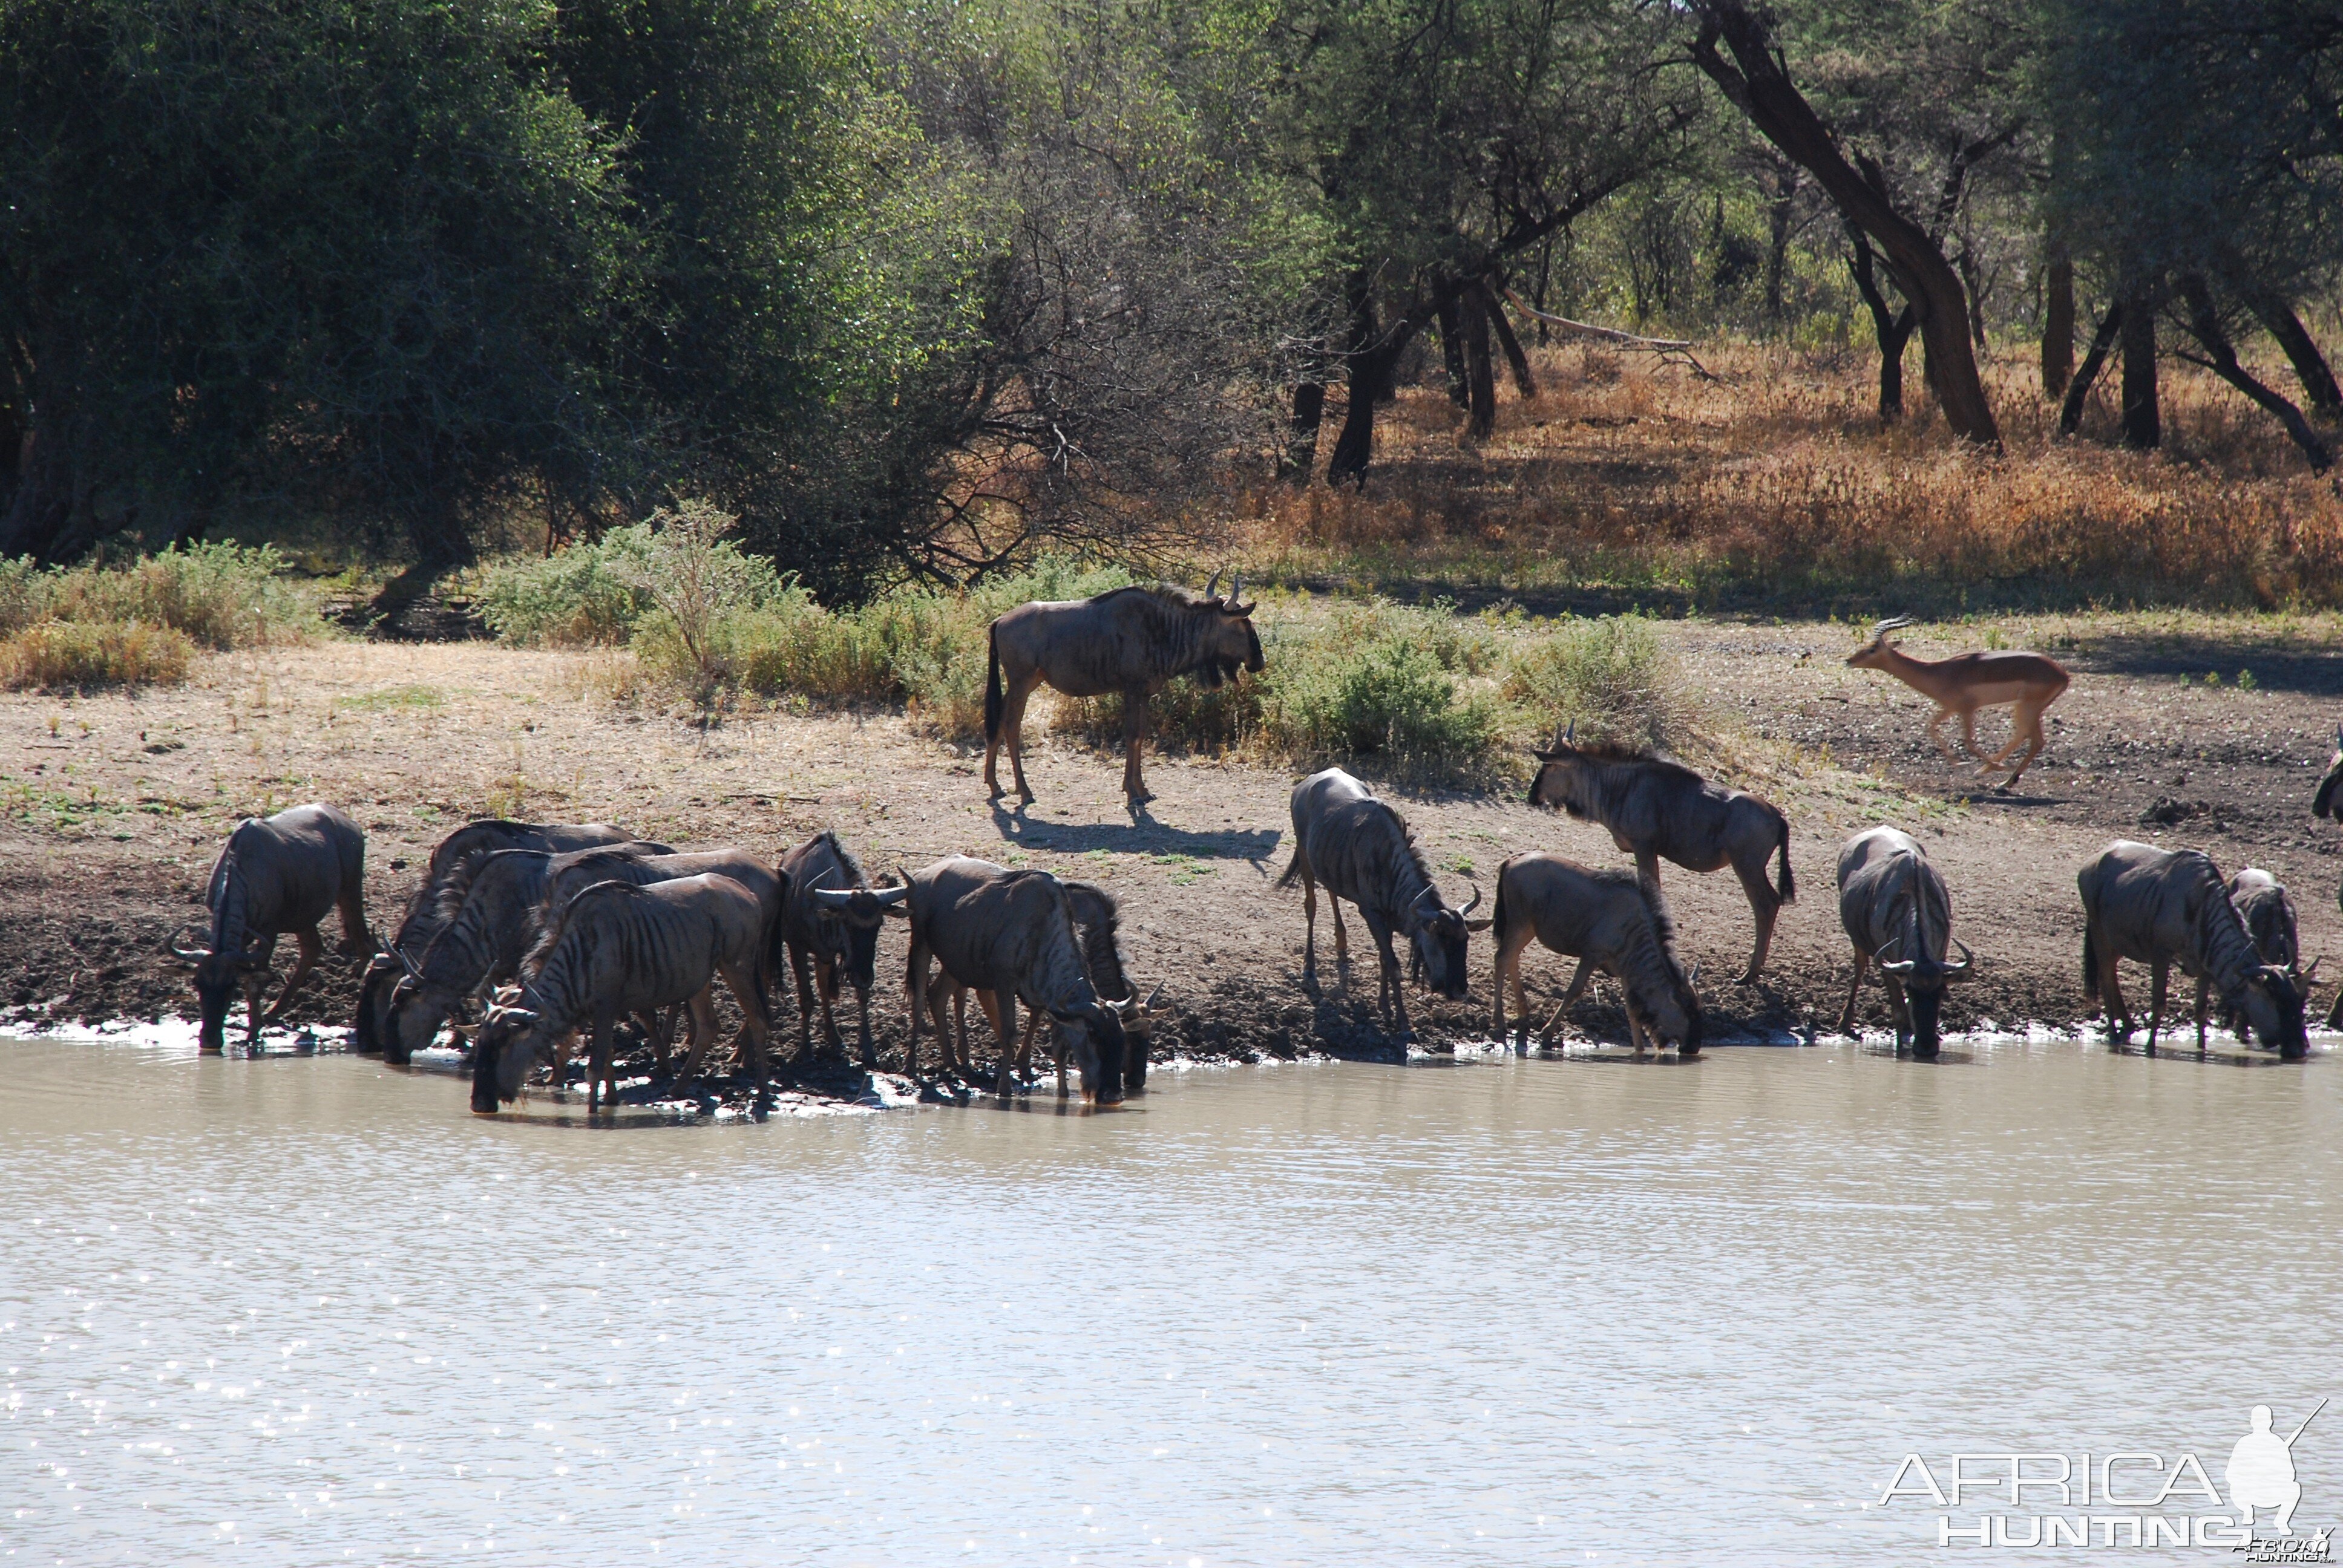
(2261, 1471)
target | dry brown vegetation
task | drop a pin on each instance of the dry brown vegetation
(1628, 480)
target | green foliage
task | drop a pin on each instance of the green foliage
(222, 596)
(1397, 685)
(583, 595)
(72, 655)
(1612, 678)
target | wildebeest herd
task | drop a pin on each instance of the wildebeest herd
(522, 939)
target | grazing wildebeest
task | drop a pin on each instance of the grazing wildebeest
(1968, 681)
(1609, 920)
(619, 948)
(832, 930)
(276, 875)
(1010, 937)
(1658, 809)
(1361, 850)
(1132, 640)
(2162, 907)
(1896, 912)
(1097, 923)
(2267, 909)
(451, 855)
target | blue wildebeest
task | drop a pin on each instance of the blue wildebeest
(2163, 907)
(832, 930)
(2267, 909)
(1010, 937)
(1896, 912)
(2323, 803)
(1098, 925)
(451, 855)
(1658, 809)
(1609, 920)
(276, 875)
(1132, 640)
(491, 912)
(619, 948)
(1361, 850)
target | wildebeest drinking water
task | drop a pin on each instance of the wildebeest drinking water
(451, 856)
(619, 948)
(275, 875)
(1010, 937)
(1361, 850)
(1609, 920)
(1658, 809)
(1132, 640)
(1893, 909)
(2267, 909)
(831, 930)
(2163, 907)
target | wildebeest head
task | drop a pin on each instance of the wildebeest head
(217, 976)
(1097, 1047)
(851, 918)
(1561, 781)
(512, 1038)
(1139, 1033)
(1873, 655)
(410, 1023)
(1230, 643)
(2271, 1003)
(1677, 1019)
(1924, 980)
(1440, 934)
(2323, 804)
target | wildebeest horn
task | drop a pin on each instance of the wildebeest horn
(1694, 979)
(1236, 588)
(407, 964)
(889, 897)
(1212, 588)
(1476, 903)
(834, 898)
(2312, 971)
(187, 955)
(1149, 1005)
(1969, 961)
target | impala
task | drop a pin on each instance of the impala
(1968, 681)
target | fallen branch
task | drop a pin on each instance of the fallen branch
(1671, 350)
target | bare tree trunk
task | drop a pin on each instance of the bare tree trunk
(2311, 368)
(2058, 322)
(1781, 207)
(1372, 354)
(1515, 360)
(1892, 329)
(2143, 424)
(1761, 89)
(1301, 442)
(1480, 374)
(1451, 316)
(2205, 322)
(2070, 412)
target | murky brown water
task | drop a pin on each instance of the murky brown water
(309, 1310)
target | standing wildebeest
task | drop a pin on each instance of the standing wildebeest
(491, 912)
(1609, 920)
(1132, 640)
(1362, 851)
(1010, 937)
(1968, 681)
(2323, 803)
(1657, 809)
(2159, 907)
(831, 929)
(619, 948)
(1894, 907)
(276, 875)
(2267, 909)
(455, 853)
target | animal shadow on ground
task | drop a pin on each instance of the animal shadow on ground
(2276, 667)
(1144, 835)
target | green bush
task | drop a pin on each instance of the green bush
(60, 655)
(221, 596)
(1612, 678)
(1396, 684)
(22, 594)
(586, 595)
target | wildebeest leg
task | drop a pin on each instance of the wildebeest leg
(2335, 1013)
(2200, 1013)
(1390, 999)
(2111, 996)
(825, 986)
(751, 996)
(1853, 989)
(1134, 740)
(1936, 733)
(1765, 903)
(914, 1002)
(801, 961)
(311, 945)
(862, 1009)
(702, 1008)
(1000, 1013)
(2160, 972)
(1899, 1007)
(1310, 930)
(1578, 984)
(1342, 940)
(598, 1069)
(1012, 728)
(1509, 972)
(356, 940)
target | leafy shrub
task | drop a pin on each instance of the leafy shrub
(222, 595)
(1613, 678)
(584, 597)
(1379, 681)
(23, 592)
(61, 655)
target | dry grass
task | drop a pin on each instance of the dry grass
(78, 656)
(1778, 490)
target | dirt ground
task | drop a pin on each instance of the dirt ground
(113, 807)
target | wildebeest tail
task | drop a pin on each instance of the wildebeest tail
(994, 699)
(1497, 916)
(2090, 964)
(1788, 886)
(1294, 868)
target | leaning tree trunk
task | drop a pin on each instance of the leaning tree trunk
(2143, 423)
(1374, 355)
(2311, 368)
(1762, 89)
(1301, 441)
(1892, 329)
(1451, 316)
(1480, 375)
(1515, 360)
(2070, 411)
(2058, 323)
(2205, 323)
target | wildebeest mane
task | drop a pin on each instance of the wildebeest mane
(533, 963)
(855, 875)
(1613, 751)
(1173, 626)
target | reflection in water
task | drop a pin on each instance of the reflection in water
(1521, 1311)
